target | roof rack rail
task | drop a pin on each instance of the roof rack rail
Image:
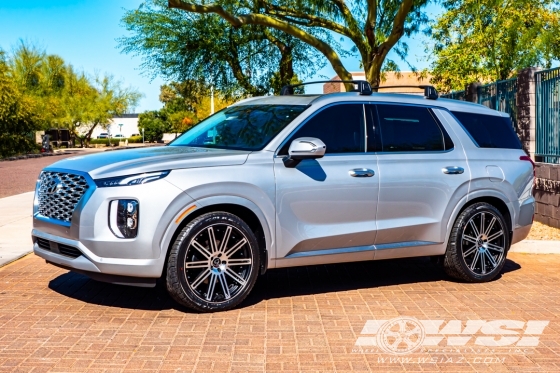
(429, 91)
(363, 86)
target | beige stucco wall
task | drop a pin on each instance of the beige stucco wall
(390, 79)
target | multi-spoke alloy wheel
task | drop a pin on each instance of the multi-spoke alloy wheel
(483, 243)
(478, 244)
(213, 263)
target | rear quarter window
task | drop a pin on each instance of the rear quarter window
(489, 131)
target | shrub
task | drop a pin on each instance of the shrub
(105, 141)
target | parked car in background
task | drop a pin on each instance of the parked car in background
(119, 136)
(293, 180)
(103, 135)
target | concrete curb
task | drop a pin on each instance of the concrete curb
(11, 260)
(536, 247)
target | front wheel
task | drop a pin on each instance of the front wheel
(213, 263)
(478, 244)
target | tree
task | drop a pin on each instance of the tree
(96, 104)
(209, 51)
(155, 124)
(182, 110)
(66, 98)
(17, 118)
(489, 40)
(374, 26)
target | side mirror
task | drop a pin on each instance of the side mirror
(304, 148)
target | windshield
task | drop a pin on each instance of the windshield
(247, 127)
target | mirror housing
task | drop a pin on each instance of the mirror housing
(304, 148)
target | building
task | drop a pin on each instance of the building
(388, 79)
(129, 126)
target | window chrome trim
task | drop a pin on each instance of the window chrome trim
(358, 249)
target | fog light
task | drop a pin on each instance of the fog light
(123, 218)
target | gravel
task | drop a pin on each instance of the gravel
(540, 231)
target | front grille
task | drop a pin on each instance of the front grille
(59, 193)
(43, 244)
(69, 251)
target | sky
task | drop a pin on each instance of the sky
(84, 33)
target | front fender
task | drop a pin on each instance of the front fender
(187, 210)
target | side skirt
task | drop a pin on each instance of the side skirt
(362, 253)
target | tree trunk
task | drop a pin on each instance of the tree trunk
(373, 73)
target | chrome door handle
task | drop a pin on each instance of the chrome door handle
(361, 172)
(453, 170)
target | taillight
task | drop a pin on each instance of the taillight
(527, 158)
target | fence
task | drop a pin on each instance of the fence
(499, 96)
(456, 95)
(547, 141)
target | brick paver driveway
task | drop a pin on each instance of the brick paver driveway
(299, 319)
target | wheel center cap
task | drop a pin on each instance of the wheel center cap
(216, 262)
(482, 240)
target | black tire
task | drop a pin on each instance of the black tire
(206, 275)
(478, 244)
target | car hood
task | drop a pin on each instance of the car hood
(133, 161)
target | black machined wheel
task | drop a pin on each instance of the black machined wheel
(478, 244)
(214, 262)
(483, 243)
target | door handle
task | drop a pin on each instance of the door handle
(361, 172)
(452, 170)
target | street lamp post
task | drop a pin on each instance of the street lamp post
(211, 100)
(143, 142)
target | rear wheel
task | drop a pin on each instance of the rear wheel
(213, 263)
(478, 244)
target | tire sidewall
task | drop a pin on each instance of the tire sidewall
(461, 224)
(187, 296)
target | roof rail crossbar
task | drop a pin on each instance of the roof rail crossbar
(429, 91)
(363, 86)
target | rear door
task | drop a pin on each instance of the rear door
(423, 174)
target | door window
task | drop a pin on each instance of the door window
(340, 127)
(410, 129)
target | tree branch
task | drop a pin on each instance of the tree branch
(371, 22)
(398, 28)
(259, 19)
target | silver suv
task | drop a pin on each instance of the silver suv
(292, 180)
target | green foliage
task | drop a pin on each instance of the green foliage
(17, 116)
(113, 141)
(374, 27)
(135, 140)
(63, 97)
(489, 40)
(206, 49)
(155, 124)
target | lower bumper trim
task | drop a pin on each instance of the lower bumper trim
(113, 279)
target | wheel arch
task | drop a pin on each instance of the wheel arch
(491, 197)
(242, 208)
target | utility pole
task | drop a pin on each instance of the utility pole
(211, 100)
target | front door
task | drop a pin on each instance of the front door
(423, 174)
(326, 207)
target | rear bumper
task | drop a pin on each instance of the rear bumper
(520, 233)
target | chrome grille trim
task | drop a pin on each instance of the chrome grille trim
(59, 193)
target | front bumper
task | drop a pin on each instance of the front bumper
(87, 244)
(138, 272)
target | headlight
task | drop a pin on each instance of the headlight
(123, 218)
(131, 179)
